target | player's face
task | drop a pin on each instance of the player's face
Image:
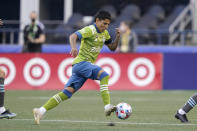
(102, 24)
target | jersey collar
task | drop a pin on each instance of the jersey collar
(97, 28)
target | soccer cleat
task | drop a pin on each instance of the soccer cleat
(109, 109)
(37, 115)
(182, 118)
(7, 114)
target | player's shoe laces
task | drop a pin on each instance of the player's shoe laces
(109, 109)
(37, 115)
(182, 118)
(7, 114)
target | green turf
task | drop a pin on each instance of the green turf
(152, 111)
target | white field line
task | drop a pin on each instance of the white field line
(104, 122)
(96, 98)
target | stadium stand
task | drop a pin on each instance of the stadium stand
(150, 22)
(168, 21)
(129, 13)
(64, 30)
(111, 9)
(154, 16)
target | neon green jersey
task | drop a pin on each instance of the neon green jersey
(91, 43)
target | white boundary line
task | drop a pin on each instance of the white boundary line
(105, 122)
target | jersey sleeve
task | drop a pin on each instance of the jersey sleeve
(40, 30)
(108, 39)
(84, 33)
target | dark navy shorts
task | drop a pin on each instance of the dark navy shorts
(81, 72)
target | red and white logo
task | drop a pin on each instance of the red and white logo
(111, 67)
(9, 68)
(65, 70)
(36, 71)
(141, 71)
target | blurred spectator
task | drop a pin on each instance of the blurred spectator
(1, 22)
(34, 35)
(126, 44)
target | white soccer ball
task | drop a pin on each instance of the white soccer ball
(123, 111)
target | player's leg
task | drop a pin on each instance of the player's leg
(58, 98)
(3, 112)
(181, 113)
(75, 82)
(96, 73)
(104, 79)
(52, 103)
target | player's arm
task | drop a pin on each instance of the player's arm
(73, 40)
(83, 33)
(112, 46)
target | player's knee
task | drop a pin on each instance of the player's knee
(2, 73)
(67, 93)
(103, 74)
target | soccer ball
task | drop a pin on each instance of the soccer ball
(123, 111)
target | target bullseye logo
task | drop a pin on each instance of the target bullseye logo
(111, 67)
(141, 71)
(36, 71)
(9, 68)
(65, 70)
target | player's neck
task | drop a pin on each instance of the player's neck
(97, 29)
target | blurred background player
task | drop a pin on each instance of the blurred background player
(92, 39)
(4, 113)
(181, 113)
(34, 35)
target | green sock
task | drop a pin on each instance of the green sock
(55, 100)
(104, 90)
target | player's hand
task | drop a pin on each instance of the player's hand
(74, 52)
(117, 32)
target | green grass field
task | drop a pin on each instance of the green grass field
(152, 111)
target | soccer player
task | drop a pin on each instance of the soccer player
(181, 113)
(4, 113)
(92, 39)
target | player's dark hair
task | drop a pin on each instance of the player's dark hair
(102, 15)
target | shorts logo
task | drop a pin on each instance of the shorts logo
(141, 72)
(36, 71)
(9, 68)
(65, 70)
(111, 67)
